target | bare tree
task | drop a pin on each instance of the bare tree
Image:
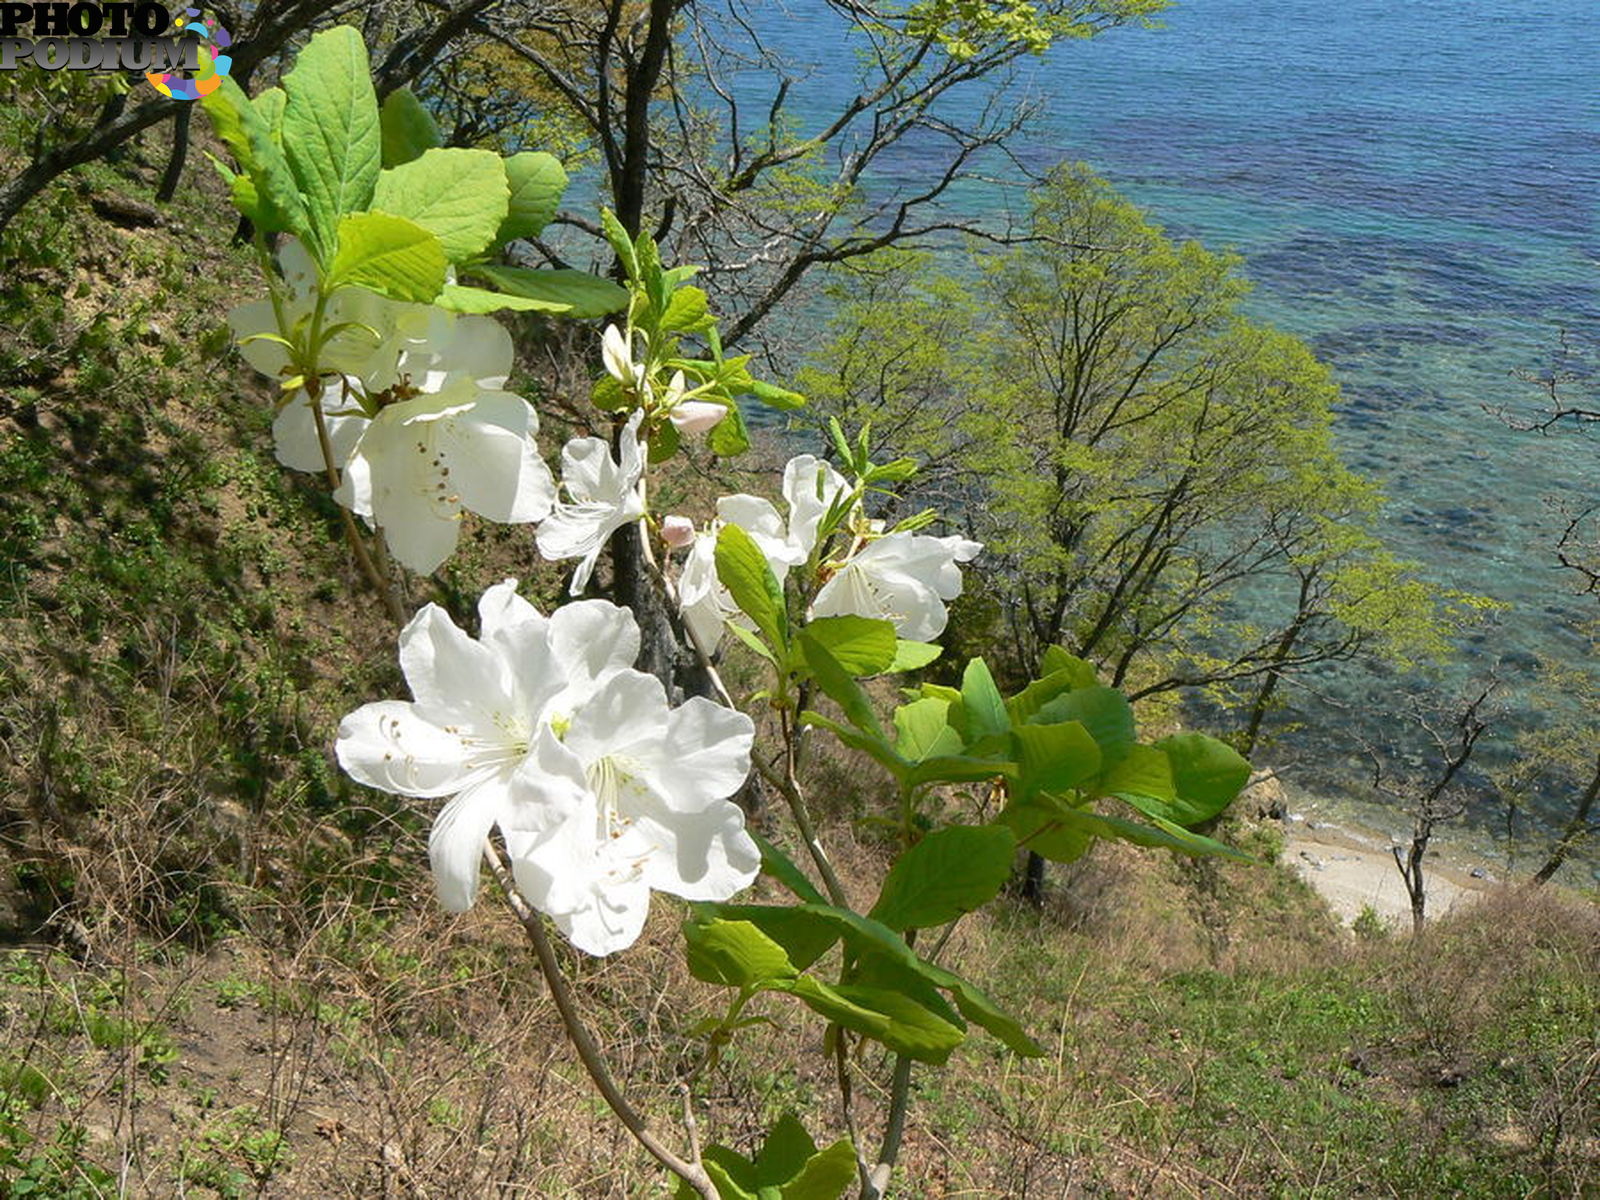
(1437, 794)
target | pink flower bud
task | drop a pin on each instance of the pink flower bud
(677, 532)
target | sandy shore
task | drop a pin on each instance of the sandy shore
(1351, 869)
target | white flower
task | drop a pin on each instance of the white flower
(478, 708)
(702, 599)
(370, 333)
(647, 791)
(603, 496)
(900, 577)
(811, 487)
(456, 442)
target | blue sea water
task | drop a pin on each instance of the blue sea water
(1415, 189)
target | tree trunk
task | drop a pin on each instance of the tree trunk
(180, 154)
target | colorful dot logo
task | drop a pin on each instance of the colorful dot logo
(213, 63)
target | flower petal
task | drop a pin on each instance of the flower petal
(389, 745)
(627, 717)
(455, 844)
(492, 463)
(456, 681)
(707, 755)
(703, 856)
(590, 641)
(294, 433)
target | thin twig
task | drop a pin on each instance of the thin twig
(583, 1042)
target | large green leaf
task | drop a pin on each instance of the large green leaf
(776, 397)
(1160, 833)
(459, 196)
(1206, 774)
(734, 953)
(687, 311)
(1057, 659)
(537, 182)
(1145, 773)
(911, 1030)
(827, 1175)
(729, 437)
(272, 201)
(948, 873)
(408, 129)
(390, 255)
(1104, 712)
(1037, 828)
(784, 869)
(861, 645)
(806, 931)
(584, 295)
(833, 1004)
(331, 131)
(1054, 758)
(461, 298)
(745, 572)
(922, 730)
(840, 687)
(984, 706)
(912, 656)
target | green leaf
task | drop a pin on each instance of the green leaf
(274, 200)
(459, 196)
(729, 437)
(801, 930)
(390, 255)
(948, 873)
(911, 1030)
(958, 768)
(861, 645)
(827, 1175)
(923, 730)
(621, 243)
(648, 256)
(331, 131)
(731, 1174)
(1160, 834)
(784, 869)
(744, 571)
(1038, 828)
(985, 708)
(838, 1008)
(1144, 773)
(1057, 659)
(775, 397)
(734, 953)
(408, 130)
(1054, 758)
(976, 1007)
(269, 104)
(584, 295)
(664, 442)
(462, 299)
(1104, 712)
(742, 634)
(687, 312)
(839, 686)
(785, 1152)
(537, 181)
(913, 656)
(1206, 774)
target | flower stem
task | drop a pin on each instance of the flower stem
(351, 533)
(583, 1042)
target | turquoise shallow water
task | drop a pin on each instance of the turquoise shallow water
(1414, 188)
